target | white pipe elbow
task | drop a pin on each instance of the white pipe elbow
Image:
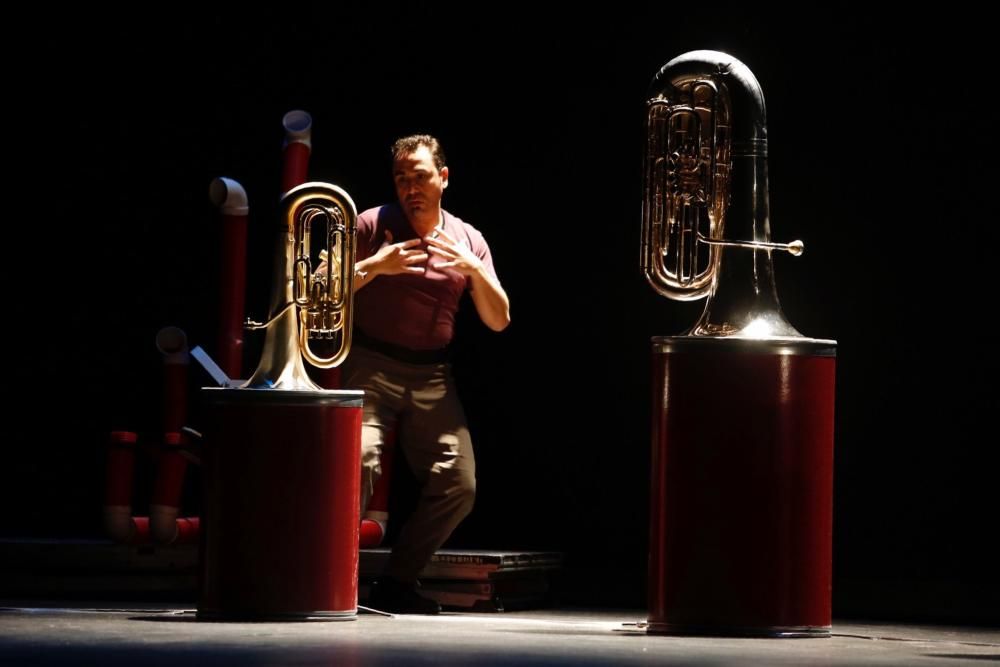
(172, 344)
(118, 523)
(228, 195)
(163, 523)
(298, 127)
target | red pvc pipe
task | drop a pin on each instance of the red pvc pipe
(118, 520)
(298, 146)
(172, 344)
(372, 533)
(171, 464)
(376, 516)
(121, 461)
(328, 378)
(231, 199)
(295, 171)
(119, 523)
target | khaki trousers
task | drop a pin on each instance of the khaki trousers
(420, 402)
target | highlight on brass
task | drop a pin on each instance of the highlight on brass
(308, 307)
(705, 225)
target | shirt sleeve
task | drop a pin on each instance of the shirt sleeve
(484, 254)
(477, 243)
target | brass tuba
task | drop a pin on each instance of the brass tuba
(305, 306)
(705, 226)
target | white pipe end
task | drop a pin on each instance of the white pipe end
(163, 523)
(228, 195)
(298, 127)
(118, 523)
(172, 344)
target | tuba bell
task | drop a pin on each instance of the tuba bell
(705, 191)
(308, 305)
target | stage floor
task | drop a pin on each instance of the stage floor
(102, 633)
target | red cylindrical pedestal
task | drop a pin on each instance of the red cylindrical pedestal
(282, 474)
(741, 518)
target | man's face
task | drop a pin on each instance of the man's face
(419, 184)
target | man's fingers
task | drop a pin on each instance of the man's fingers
(408, 244)
(447, 243)
(442, 252)
(443, 234)
(414, 258)
(414, 269)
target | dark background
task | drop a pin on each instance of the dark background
(882, 149)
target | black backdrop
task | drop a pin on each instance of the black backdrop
(882, 144)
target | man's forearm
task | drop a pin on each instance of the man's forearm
(364, 272)
(491, 301)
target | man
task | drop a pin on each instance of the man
(415, 260)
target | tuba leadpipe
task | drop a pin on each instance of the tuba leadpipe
(705, 220)
(305, 306)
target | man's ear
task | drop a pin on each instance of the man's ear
(444, 177)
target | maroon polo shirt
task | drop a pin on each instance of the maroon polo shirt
(416, 311)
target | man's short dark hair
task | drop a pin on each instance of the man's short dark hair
(407, 145)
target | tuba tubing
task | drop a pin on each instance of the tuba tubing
(705, 218)
(304, 306)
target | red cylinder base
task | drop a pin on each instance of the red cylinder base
(741, 519)
(282, 474)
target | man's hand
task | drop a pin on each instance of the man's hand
(487, 294)
(394, 258)
(391, 259)
(459, 257)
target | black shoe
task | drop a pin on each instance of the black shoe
(392, 595)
